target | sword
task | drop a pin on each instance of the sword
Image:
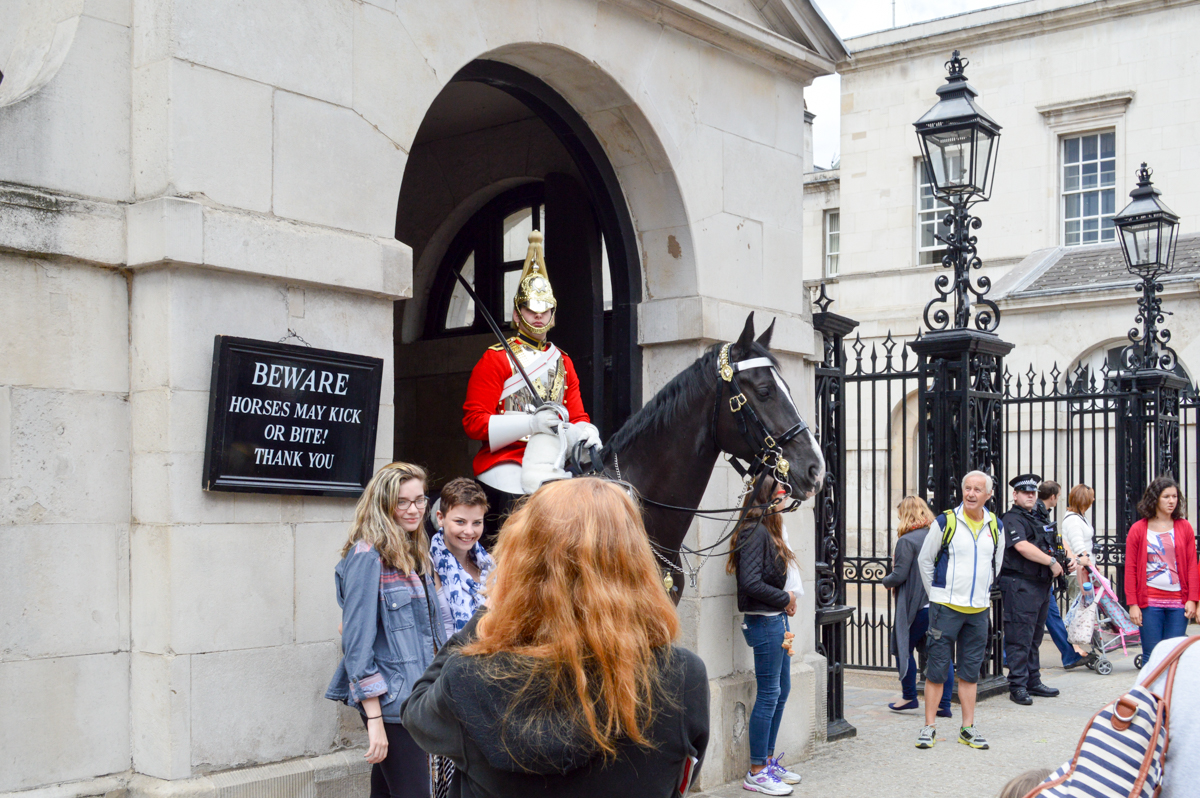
(479, 306)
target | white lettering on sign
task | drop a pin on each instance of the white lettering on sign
(316, 460)
(258, 407)
(346, 415)
(308, 435)
(274, 375)
(278, 457)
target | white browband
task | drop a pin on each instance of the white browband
(765, 362)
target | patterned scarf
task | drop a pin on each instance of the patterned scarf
(463, 594)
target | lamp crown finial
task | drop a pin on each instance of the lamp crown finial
(1144, 174)
(956, 65)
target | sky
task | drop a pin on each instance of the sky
(854, 18)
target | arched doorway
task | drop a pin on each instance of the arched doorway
(500, 153)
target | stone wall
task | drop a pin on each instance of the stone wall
(205, 167)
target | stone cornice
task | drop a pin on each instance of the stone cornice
(1087, 109)
(734, 35)
(989, 26)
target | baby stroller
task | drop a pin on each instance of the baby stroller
(1113, 629)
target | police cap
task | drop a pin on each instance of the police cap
(1026, 483)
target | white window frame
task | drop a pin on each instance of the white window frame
(926, 216)
(833, 241)
(1073, 186)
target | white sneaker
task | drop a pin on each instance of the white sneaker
(766, 782)
(783, 774)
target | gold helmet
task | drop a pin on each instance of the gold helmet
(534, 291)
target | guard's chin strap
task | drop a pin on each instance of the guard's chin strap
(753, 430)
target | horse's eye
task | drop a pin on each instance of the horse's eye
(764, 392)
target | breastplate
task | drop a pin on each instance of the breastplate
(550, 382)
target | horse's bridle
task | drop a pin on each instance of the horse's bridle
(754, 432)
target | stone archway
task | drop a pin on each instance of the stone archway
(494, 128)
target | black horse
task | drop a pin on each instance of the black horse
(668, 449)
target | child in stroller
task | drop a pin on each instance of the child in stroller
(1098, 620)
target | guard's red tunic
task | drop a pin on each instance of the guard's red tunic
(483, 401)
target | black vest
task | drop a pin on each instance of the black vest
(1015, 564)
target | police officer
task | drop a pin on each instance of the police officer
(1029, 567)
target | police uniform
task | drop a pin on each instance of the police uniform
(1025, 586)
(499, 409)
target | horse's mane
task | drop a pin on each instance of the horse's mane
(676, 399)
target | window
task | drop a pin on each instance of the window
(930, 213)
(833, 224)
(1089, 188)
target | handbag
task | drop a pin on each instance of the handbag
(1123, 750)
(1081, 622)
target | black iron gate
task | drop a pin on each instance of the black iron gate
(1112, 431)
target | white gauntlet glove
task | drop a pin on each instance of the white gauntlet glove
(506, 428)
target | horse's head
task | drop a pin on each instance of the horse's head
(757, 418)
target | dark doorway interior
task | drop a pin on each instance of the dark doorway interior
(500, 154)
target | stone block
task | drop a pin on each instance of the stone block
(669, 262)
(309, 53)
(212, 587)
(393, 83)
(789, 119)
(60, 587)
(54, 224)
(69, 458)
(738, 98)
(447, 48)
(730, 701)
(165, 229)
(46, 306)
(318, 550)
(221, 137)
(161, 714)
(334, 168)
(73, 135)
(673, 83)
(262, 705)
(716, 640)
(763, 183)
(730, 258)
(150, 120)
(701, 170)
(661, 204)
(168, 421)
(74, 731)
(626, 43)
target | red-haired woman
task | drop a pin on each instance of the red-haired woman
(1162, 585)
(568, 684)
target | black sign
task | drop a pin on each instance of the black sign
(290, 419)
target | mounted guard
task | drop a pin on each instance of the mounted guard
(526, 415)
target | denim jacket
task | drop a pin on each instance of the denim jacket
(388, 636)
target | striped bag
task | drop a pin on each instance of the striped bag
(1123, 750)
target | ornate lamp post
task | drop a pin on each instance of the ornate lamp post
(958, 143)
(1148, 415)
(1148, 231)
(960, 357)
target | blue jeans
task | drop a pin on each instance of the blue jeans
(917, 631)
(1058, 633)
(1160, 623)
(764, 634)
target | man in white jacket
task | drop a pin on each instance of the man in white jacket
(959, 560)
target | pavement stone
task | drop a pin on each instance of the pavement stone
(883, 760)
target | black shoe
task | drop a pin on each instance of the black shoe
(1043, 691)
(1020, 696)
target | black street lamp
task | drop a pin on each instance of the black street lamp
(958, 145)
(1148, 231)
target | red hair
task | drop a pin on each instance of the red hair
(577, 602)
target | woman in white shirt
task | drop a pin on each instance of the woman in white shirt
(1076, 532)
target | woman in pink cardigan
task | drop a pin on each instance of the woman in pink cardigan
(1162, 582)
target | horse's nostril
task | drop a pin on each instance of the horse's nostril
(814, 472)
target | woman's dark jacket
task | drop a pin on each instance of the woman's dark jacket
(458, 710)
(761, 572)
(910, 596)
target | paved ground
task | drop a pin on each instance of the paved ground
(882, 760)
